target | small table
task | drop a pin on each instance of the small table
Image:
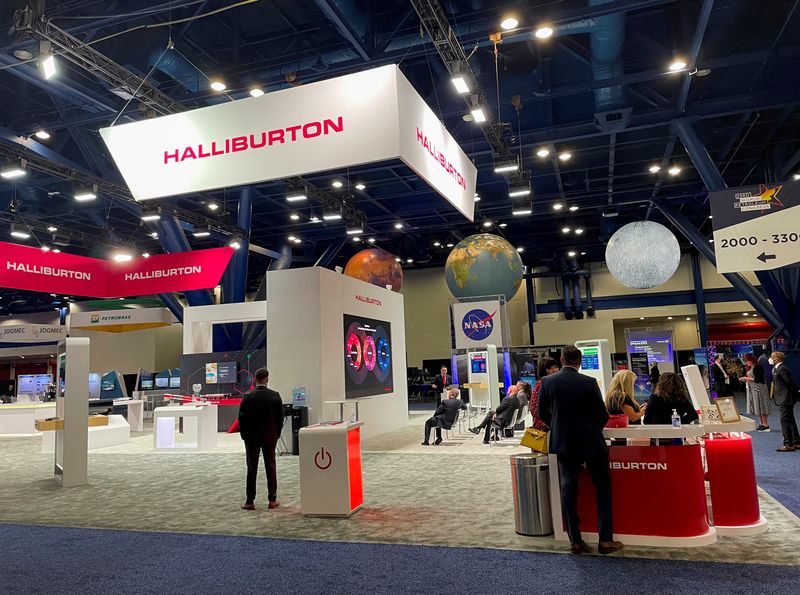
(135, 412)
(341, 405)
(199, 428)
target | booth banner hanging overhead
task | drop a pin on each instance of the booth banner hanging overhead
(477, 324)
(366, 117)
(756, 228)
(32, 333)
(24, 267)
(123, 320)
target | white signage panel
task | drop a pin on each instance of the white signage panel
(133, 316)
(477, 324)
(32, 333)
(332, 124)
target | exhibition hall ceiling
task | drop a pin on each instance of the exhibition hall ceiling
(589, 110)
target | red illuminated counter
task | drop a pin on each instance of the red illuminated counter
(330, 469)
(227, 406)
(659, 492)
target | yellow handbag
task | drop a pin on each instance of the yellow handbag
(535, 440)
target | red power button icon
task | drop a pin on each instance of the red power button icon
(322, 459)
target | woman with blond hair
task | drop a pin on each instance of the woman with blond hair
(620, 399)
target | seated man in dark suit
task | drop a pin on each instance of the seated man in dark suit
(445, 416)
(501, 417)
(571, 404)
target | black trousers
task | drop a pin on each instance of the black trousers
(432, 422)
(253, 451)
(791, 437)
(570, 468)
(487, 421)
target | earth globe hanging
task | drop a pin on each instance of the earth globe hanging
(643, 254)
(483, 264)
(375, 266)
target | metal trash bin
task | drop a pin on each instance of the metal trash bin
(531, 485)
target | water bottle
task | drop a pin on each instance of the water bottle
(676, 419)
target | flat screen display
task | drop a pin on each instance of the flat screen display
(174, 381)
(478, 364)
(232, 372)
(226, 372)
(147, 384)
(590, 359)
(367, 357)
(162, 382)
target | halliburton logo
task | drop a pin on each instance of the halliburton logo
(34, 269)
(638, 466)
(368, 300)
(439, 157)
(162, 273)
(258, 140)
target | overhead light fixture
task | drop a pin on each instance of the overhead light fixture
(47, 61)
(517, 190)
(641, 317)
(361, 186)
(745, 314)
(674, 170)
(503, 225)
(579, 231)
(796, 177)
(557, 206)
(509, 23)
(609, 213)
(520, 249)
(544, 32)
(256, 92)
(371, 240)
(710, 240)
(409, 260)
(217, 85)
(477, 197)
(297, 241)
(13, 169)
(398, 225)
(450, 244)
(212, 206)
(571, 253)
(337, 184)
(314, 219)
(123, 257)
(688, 318)
(487, 223)
(56, 250)
(332, 214)
(145, 255)
(86, 193)
(202, 233)
(677, 65)
(296, 195)
(235, 243)
(294, 217)
(437, 243)
(506, 165)
(154, 235)
(460, 83)
(20, 232)
(478, 115)
(292, 238)
(565, 156)
(543, 152)
(52, 228)
(669, 317)
(574, 208)
(356, 239)
(522, 210)
(654, 169)
(583, 253)
(565, 230)
(151, 215)
(42, 134)
(398, 259)
(354, 228)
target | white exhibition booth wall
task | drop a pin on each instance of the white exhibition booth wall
(305, 311)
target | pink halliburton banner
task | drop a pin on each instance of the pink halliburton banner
(24, 267)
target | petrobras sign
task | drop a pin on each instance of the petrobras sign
(128, 316)
(365, 117)
(477, 324)
(32, 333)
(24, 267)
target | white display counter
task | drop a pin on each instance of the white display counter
(135, 412)
(18, 419)
(118, 431)
(199, 428)
(330, 469)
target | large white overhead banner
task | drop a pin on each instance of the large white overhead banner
(370, 116)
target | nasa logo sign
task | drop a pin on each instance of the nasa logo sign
(478, 324)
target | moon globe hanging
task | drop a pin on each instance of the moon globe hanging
(643, 254)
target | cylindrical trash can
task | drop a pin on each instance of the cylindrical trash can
(531, 485)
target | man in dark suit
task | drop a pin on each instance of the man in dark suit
(445, 416)
(571, 404)
(501, 417)
(722, 380)
(260, 424)
(440, 383)
(784, 390)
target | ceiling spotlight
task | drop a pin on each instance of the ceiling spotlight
(544, 32)
(41, 134)
(409, 260)
(565, 156)
(398, 259)
(123, 257)
(356, 239)
(56, 250)
(574, 208)
(506, 165)
(487, 223)
(22, 54)
(579, 231)
(703, 72)
(688, 318)
(520, 249)
(371, 240)
(235, 243)
(478, 115)
(460, 83)
(296, 195)
(565, 230)
(654, 169)
(86, 193)
(557, 206)
(522, 210)
(13, 169)
(212, 206)
(217, 85)
(292, 238)
(202, 233)
(503, 225)
(583, 253)
(450, 244)
(52, 228)
(154, 235)
(477, 197)
(398, 226)
(256, 92)
(745, 314)
(669, 317)
(641, 317)
(47, 66)
(509, 23)
(145, 255)
(332, 214)
(674, 170)
(677, 65)
(151, 215)
(297, 241)
(315, 219)
(543, 152)
(437, 243)
(337, 184)
(796, 177)
(294, 217)
(571, 253)
(19, 232)
(361, 186)
(354, 228)
(517, 190)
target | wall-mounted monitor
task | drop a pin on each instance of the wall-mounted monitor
(162, 382)
(147, 383)
(367, 357)
(226, 372)
(174, 381)
(223, 372)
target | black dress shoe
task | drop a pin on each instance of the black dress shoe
(438, 441)
(475, 430)
(426, 443)
(486, 442)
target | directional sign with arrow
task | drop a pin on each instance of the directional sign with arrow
(756, 228)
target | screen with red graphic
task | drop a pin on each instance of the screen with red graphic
(367, 357)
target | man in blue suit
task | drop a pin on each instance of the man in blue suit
(571, 404)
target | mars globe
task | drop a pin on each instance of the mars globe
(483, 264)
(375, 266)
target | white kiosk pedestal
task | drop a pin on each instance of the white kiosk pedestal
(330, 469)
(199, 428)
(135, 412)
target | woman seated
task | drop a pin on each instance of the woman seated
(620, 399)
(670, 394)
(547, 366)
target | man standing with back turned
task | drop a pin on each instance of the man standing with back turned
(260, 424)
(571, 404)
